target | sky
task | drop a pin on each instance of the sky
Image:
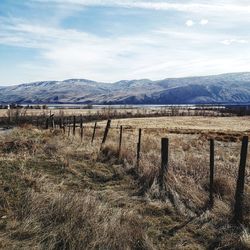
(112, 40)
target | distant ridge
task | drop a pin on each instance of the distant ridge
(224, 88)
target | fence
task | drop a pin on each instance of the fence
(77, 122)
(163, 168)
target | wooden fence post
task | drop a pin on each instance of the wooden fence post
(47, 123)
(60, 122)
(74, 125)
(93, 135)
(81, 128)
(106, 132)
(69, 127)
(164, 161)
(17, 117)
(51, 117)
(138, 149)
(64, 131)
(52, 121)
(211, 177)
(120, 142)
(9, 116)
(239, 193)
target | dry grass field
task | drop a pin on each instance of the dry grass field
(57, 192)
(110, 111)
(228, 124)
(79, 111)
(57, 112)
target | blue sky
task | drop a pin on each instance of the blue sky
(110, 40)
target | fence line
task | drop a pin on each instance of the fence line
(239, 192)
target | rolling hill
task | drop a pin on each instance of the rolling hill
(224, 88)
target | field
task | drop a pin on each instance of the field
(56, 111)
(227, 124)
(82, 111)
(59, 191)
(37, 115)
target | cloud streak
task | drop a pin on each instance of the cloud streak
(191, 6)
(234, 41)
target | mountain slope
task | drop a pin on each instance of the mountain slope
(225, 88)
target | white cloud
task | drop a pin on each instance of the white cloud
(232, 41)
(197, 6)
(203, 21)
(190, 23)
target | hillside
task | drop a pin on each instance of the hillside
(225, 88)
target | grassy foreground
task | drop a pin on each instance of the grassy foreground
(59, 193)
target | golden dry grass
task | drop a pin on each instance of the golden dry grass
(59, 193)
(57, 112)
(227, 124)
(77, 112)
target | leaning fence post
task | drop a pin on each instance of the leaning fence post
(211, 177)
(239, 193)
(138, 148)
(106, 132)
(164, 162)
(93, 135)
(120, 142)
(74, 125)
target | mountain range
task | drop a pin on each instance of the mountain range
(224, 88)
